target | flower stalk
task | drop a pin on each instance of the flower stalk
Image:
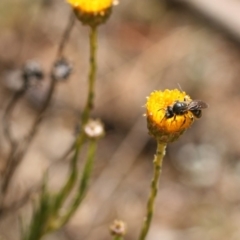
(80, 141)
(83, 184)
(118, 238)
(71, 182)
(92, 74)
(157, 162)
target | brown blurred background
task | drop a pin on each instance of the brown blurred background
(146, 45)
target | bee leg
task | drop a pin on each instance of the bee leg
(164, 115)
(162, 119)
(184, 121)
(174, 118)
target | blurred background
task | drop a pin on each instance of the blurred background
(146, 45)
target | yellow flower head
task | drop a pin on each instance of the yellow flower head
(92, 12)
(164, 127)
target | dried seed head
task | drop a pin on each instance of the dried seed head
(118, 228)
(94, 129)
(61, 70)
(32, 72)
(161, 126)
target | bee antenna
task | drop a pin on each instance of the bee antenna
(179, 86)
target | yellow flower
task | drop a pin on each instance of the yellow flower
(164, 127)
(92, 12)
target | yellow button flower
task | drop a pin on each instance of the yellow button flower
(163, 124)
(92, 12)
(91, 6)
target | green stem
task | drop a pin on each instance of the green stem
(83, 183)
(157, 162)
(92, 74)
(61, 197)
(118, 238)
(85, 116)
(67, 188)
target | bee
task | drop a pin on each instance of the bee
(180, 108)
(196, 106)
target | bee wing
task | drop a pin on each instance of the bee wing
(197, 105)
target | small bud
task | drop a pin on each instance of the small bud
(94, 129)
(61, 70)
(118, 228)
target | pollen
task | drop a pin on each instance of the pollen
(92, 12)
(167, 129)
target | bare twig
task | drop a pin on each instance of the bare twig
(6, 126)
(66, 35)
(20, 149)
